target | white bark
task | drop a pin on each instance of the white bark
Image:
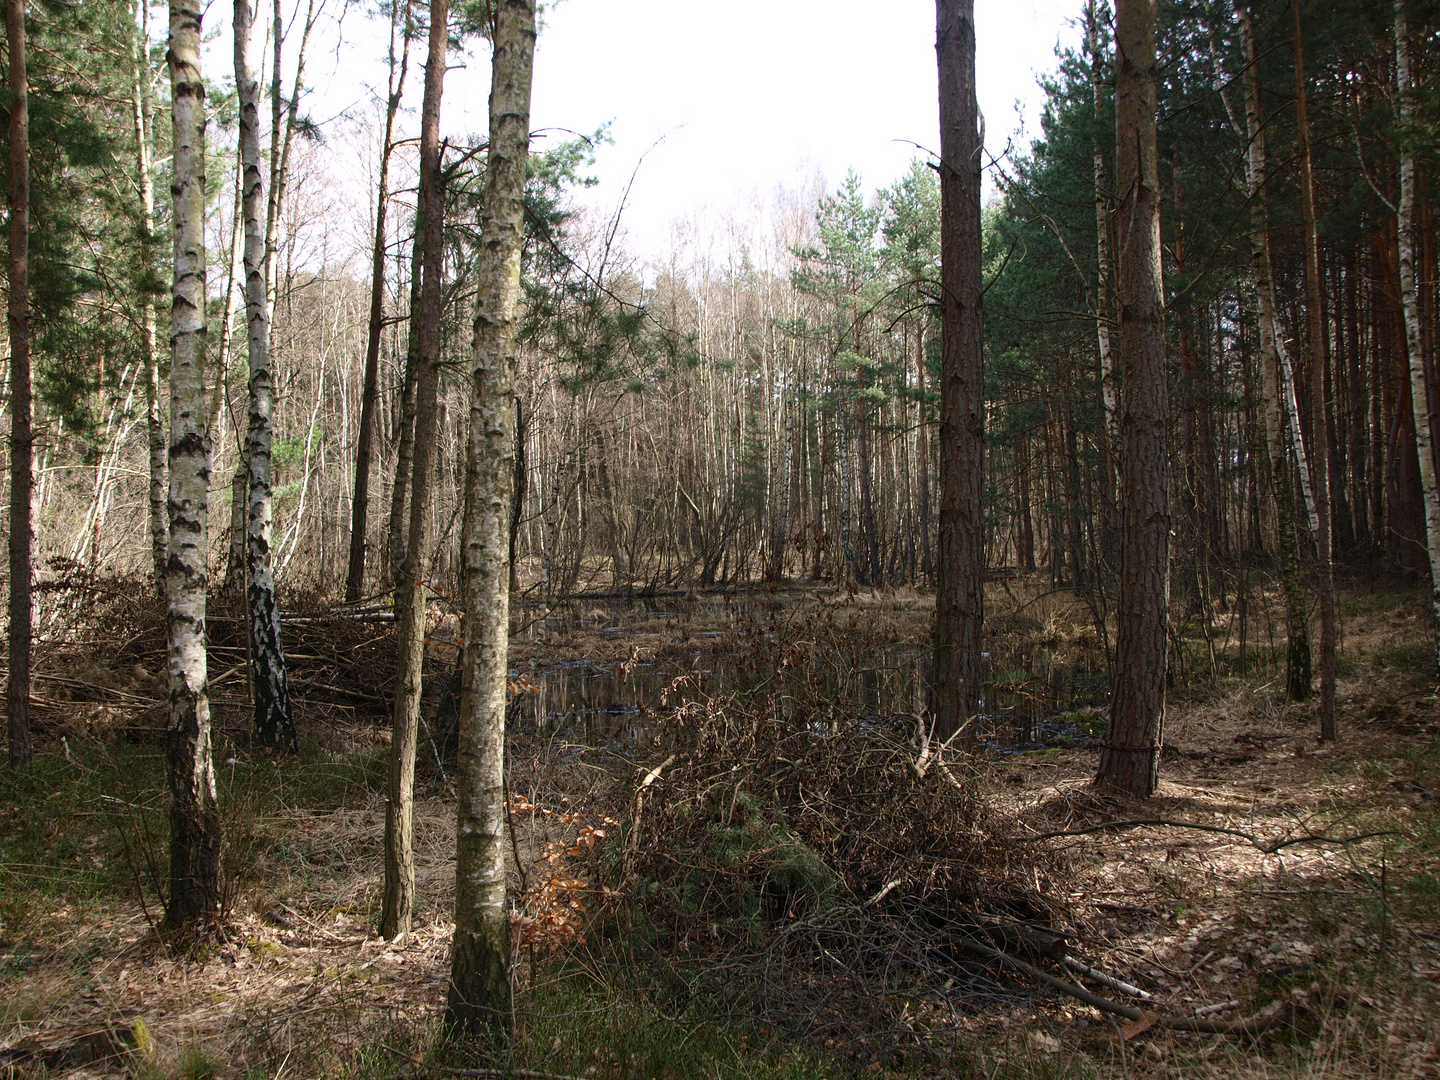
(1409, 301)
(273, 723)
(195, 819)
(479, 985)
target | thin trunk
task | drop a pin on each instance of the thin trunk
(1409, 302)
(194, 814)
(154, 422)
(281, 140)
(1130, 759)
(1321, 435)
(405, 450)
(1109, 386)
(398, 902)
(959, 595)
(479, 997)
(1298, 654)
(273, 724)
(22, 438)
(370, 395)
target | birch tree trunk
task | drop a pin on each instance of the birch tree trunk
(22, 439)
(1130, 758)
(154, 422)
(1297, 664)
(959, 593)
(194, 814)
(370, 394)
(1409, 301)
(398, 900)
(273, 724)
(1323, 437)
(479, 996)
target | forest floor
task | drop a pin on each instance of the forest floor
(1332, 940)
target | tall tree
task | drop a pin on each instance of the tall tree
(398, 900)
(1323, 436)
(194, 813)
(1130, 759)
(22, 439)
(370, 395)
(154, 422)
(959, 593)
(1273, 381)
(273, 724)
(1410, 305)
(480, 953)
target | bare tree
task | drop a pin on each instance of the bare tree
(194, 813)
(479, 995)
(1130, 759)
(370, 396)
(273, 724)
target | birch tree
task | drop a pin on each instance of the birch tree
(273, 724)
(480, 953)
(194, 814)
(1297, 664)
(1410, 304)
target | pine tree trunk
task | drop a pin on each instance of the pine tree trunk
(370, 395)
(1297, 665)
(1130, 759)
(398, 900)
(1410, 304)
(273, 724)
(1322, 435)
(1109, 385)
(479, 997)
(154, 422)
(194, 814)
(959, 593)
(22, 439)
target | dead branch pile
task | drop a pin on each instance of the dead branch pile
(814, 878)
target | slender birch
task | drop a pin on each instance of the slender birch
(194, 814)
(1323, 437)
(398, 899)
(1409, 301)
(154, 422)
(1297, 664)
(22, 438)
(1130, 758)
(479, 996)
(273, 724)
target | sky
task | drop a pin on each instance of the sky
(713, 106)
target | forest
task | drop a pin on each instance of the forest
(983, 624)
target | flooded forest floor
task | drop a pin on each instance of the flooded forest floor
(738, 851)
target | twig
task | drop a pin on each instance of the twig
(1253, 1026)
(493, 1074)
(1255, 841)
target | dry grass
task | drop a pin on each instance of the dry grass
(1341, 936)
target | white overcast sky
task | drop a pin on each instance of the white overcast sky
(730, 100)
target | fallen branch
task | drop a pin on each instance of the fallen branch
(1253, 1026)
(1106, 980)
(1255, 841)
(491, 1074)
